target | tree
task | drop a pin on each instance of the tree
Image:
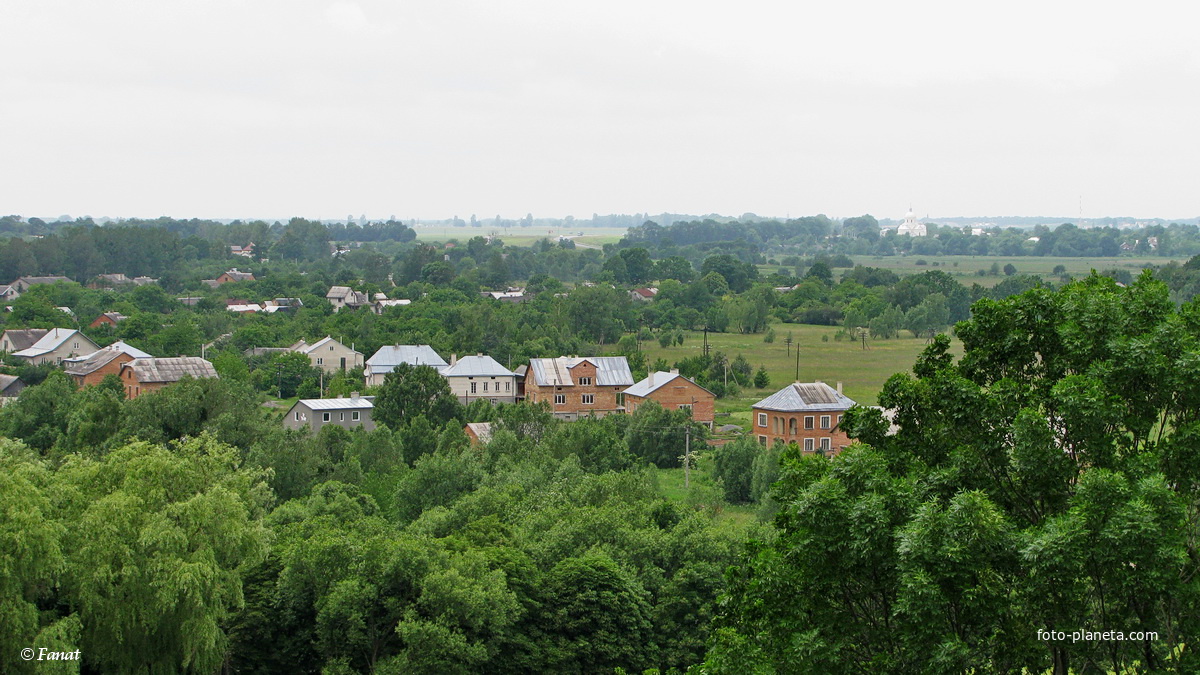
(761, 379)
(659, 436)
(1009, 269)
(409, 391)
(733, 465)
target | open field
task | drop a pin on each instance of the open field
(967, 267)
(862, 373)
(521, 236)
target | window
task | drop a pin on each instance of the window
(507, 385)
(75, 345)
(808, 445)
(354, 416)
(341, 417)
(297, 416)
(560, 399)
(585, 381)
(762, 440)
(825, 444)
(620, 398)
(320, 361)
(588, 399)
(472, 387)
(792, 426)
(330, 347)
(824, 421)
(762, 422)
(324, 417)
(485, 386)
(808, 421)
(839, 420)
(686, 406)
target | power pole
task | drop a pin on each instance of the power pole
(797, 363)
(687, 457)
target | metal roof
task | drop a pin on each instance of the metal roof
(610, 371)
(480, 365)
(24, 338)
(51, 341)
(360, 403)
(389, 356)
(82, 365)
(653, 382)
(800, 396)
(169, 369)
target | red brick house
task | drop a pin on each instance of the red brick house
(808, 414)
(110, 318)
(90, 370)
(234, 275)
(673, 392)
(142, 376)
(576, 387)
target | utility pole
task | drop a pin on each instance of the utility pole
(687, 457)
(797, 363)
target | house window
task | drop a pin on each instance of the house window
(762, 422)
(621, 398)
(839, 420)
(588, 399)
(354, 416)
(75, 345)
(792, 426)
(320, 361)
(324, 417)
(585, 381)
(687, 407)
(341, 417)
(472, 387)
(808, 421)
(485, 386)
(297, 416)
(507, 385)
(330, 347)
(560, 399)
(825, 444)
(762, 440)
(808, 445)
(825, 421)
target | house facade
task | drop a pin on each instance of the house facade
(808, 414)
(344, 296)
(329, 355)
(672, 391)
(234, 275)
(110, 318)
(16, 339)
(353, 412)
(576, 387)
(91, 369)
(142, 376)
(57, 345)
(388, 357)
(480, 376)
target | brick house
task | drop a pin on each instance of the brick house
(313, 413)
(234, 275)
(806, 413)
(478, 433)
(110, 318)
(89, 370)
(142, 376)
(577, 387)
(673, 392)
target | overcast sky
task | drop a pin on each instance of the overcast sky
(275, 108)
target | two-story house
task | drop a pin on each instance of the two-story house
(388, 357)
(480, 376)
(576, 387)
(93, 368)
(57, 345)
(329, 355)
(142, 376)
(673, 392)
(806, 413)
(344, 296)
(313, 413)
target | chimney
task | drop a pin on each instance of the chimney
(651, 378)
(674, 371)
(839, 387)
(354, 394)
(453, 359)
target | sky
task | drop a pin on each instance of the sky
(323, 109)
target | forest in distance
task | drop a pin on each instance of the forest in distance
(1039, 471)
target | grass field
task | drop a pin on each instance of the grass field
(521, 236)
(862, 373)
(967, 267)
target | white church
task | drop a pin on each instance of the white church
(911, 226)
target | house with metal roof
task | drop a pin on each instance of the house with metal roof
(480, 376)
(141, 376)
(576, 387)
(16, 339)
(353, 412)
(329, 355)
(806, 413)
(388, 357)
(344, 296)
(57, 345)
(10, 388)
(673, 392)
(22, 284)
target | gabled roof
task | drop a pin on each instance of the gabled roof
(52, 340)
(34, 281)
(801, 396)
(237, 275)
(24, 338)
(305, 348)
(7, 381)
(389, 356)
(610, 371)
(655, 381)
(82, 365)
(480, 365)
(339, 403)
(482, 430)
(169, 369)
(115, 317)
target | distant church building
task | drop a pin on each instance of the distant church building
(911, 227)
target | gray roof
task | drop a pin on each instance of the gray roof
(480, 365)
(170, 369)
(7, 381)
(610, 371)
(352, 403)
(34, 281)
(389, 356)
(801, 396)
(483, 430)
(24, 338)
(655, 381)
(82, 365)
(52, 340)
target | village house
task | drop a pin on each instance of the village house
(234, 275)
(672, 391)
(329, 355)
(109, 318)
(388, 357)
(142, 376)
(808, 414)
(23, 284)
(8, 293)
(480, 376)
(16, 339)
(91, 369)
(576, 387)
(344, 296)
(10, 388)
(313, 413)
(56, 345)
(643, 294)
(246, 251)
(478, 433)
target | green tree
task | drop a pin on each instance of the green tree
(409, 391)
